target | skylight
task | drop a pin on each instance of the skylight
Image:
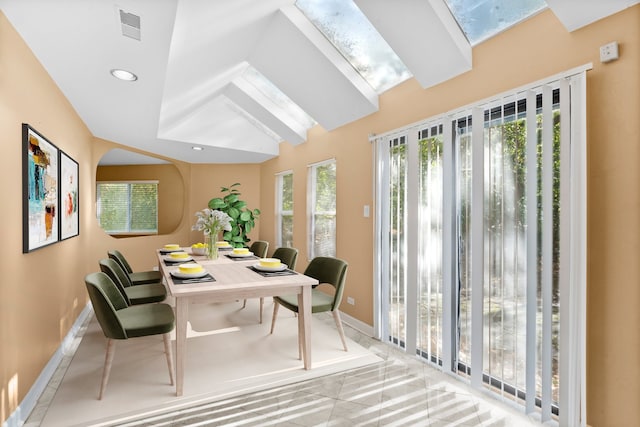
(344, 25)
(481, 19)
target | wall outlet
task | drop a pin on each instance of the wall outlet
(351, 301)
(609, 52)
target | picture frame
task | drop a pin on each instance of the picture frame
(40, 190)
(69, 197)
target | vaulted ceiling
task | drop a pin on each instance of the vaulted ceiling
(196, 61)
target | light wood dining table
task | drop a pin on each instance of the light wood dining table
(234, 281)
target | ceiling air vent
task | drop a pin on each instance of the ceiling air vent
(130, 24)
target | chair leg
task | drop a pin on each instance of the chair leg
(336, 317)
(261, 307)
(275, 313)
(108, 359)
(167, 349)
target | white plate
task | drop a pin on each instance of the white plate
(172, 259)
(281, 267)
(240, 255)
(180, 275)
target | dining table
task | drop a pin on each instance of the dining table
(229, 279)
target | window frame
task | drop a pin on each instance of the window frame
(128, 232)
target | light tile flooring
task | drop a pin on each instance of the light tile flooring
(401, 391)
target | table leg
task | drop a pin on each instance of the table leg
(304, 325)
(182, 316)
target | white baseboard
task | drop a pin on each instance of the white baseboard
(24, 409)
(357, 324)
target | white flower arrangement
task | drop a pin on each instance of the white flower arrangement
(212, 221)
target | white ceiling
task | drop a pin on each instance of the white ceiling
(192, 54)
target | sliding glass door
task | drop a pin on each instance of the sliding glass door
(474, 244)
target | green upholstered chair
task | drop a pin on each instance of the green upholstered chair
(329, 270)
(120, 321)
(138, 277)
(134, 295)
(287, 256)
(259, 249)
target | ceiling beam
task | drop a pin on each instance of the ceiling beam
(424, 35)
(589, 11)
(263, 109)
(303, 64)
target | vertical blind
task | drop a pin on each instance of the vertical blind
(479, 270)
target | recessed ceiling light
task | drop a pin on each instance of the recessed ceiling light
(197, 148)
(124, 75)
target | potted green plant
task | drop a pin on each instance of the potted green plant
(243, 218)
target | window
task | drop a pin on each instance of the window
(322, 209)
(483, 19)
(349, 30)
(128, 207)
(284, 209)
(480, 271)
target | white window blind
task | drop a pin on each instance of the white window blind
(284, 209)
(321, 209)
(128, 207)
(490, 189)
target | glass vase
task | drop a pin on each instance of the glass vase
(212, 249)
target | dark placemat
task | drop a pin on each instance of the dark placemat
(169, 263)
(285, 272)
(204, 279)
(168, 251)
(242, 258)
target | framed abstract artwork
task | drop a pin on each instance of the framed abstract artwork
(69, 215)
(40, 184)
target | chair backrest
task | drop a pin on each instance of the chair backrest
(329, 270)
(106, 300)
(259, 248)
(117, 275)
(116, 255)
(287, 256)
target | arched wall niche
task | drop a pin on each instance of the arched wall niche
(123, 165)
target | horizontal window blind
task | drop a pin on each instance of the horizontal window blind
(128, 207)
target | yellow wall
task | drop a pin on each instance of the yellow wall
(40, 293)
(43, 293)
(207, 181)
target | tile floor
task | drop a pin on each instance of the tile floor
(400, 391)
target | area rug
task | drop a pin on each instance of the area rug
(229, 353)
